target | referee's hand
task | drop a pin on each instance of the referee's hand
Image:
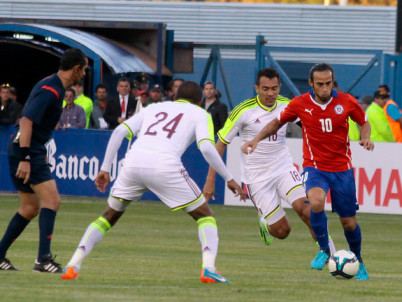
(24, 171)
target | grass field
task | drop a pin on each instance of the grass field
(153, 254)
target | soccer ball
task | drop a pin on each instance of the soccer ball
(343, 264)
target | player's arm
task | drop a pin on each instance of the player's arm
(25, 135)
(209, 187)
(211, 155)
(365, 142)
(271, 128)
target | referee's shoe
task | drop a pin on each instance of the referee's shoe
(5, 265)
(47, 265)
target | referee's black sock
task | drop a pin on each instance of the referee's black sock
(14, 229)
(46, 224)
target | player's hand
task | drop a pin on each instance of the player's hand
(236, 189)
(102, 180)
(367, 144)
(249, 147)
(24, 171)
(120, 120)
(209, 190)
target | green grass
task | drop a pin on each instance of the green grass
(153, 254)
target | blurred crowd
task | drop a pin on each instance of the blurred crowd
(105, 112)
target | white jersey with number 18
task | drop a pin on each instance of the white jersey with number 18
(164, 131)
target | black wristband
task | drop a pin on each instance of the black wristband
(25, 154)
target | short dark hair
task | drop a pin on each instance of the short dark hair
(72, 91)
(209, 83)
(385, 87)
(177, 79)
(269, 73)
(124, 79)
(100, 86)
(321, 67)
(190, 91)
(71, 58)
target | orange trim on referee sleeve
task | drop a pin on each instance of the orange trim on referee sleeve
(52, 90)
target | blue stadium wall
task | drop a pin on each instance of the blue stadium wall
(76, 155)
(240, 76)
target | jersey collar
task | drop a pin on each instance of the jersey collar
(182, 101)
(265, 107)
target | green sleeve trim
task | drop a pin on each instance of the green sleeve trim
(205, 139)
(130, 135)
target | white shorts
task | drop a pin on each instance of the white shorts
(266, 195)
(175, 188)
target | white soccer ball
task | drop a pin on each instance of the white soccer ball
(343, 264)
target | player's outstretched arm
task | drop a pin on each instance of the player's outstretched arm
(365, 142)
(271, 128)
(236, 189)
(209, 187)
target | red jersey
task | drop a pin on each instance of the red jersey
(325, 129)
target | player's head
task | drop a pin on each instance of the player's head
(267, 86)
(191, 92)
(322, 81)
(75, 62)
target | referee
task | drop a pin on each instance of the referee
(29, 169)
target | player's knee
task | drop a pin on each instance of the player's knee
(283, 232)
(349, 224)
(29, 211)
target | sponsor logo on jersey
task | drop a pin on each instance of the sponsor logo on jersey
(257, 121)
(309, 110)
(339, 109)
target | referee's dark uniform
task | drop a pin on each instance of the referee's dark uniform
(43, 107)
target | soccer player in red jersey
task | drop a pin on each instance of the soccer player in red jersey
(327, 164)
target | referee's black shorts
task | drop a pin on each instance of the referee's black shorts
(40, 169)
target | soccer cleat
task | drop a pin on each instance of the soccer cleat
(5, 265)
(69, 273)
(362, 273)
(320, 260)
(47, 265)
(210, 277)
(265, 236)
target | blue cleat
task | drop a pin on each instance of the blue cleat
(362, 273)
(265, 236)
(320, 260)
(210, 277)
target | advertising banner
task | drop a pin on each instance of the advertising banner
(378, 175)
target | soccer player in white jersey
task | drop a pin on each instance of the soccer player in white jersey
(164, 131)
(268, 172)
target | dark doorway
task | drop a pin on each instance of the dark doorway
(22, 66)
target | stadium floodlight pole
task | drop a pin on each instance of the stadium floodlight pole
(398, 38)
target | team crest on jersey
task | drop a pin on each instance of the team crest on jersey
(339, 109)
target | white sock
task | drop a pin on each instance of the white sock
(208, 235)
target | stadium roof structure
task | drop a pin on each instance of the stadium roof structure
(117, 58)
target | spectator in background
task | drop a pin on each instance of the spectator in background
(169, 92)
(97, 121)
(9, 109)
(135, 88)
(142, 100)
(143, 80)
(83, 101)
(175, 86)
(212, 104)
(365, 102)
(393, 114)
(155, 94)
(120, 107)
(73, 115)
(380, 129)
